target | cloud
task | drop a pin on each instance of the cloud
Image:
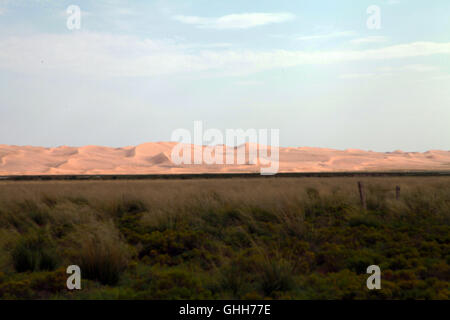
(236, 21)
(2, 11)
(357, 75)
(350, 76)
(104, 55)
(441, 77)
(123, 11)
(420, 68)
(390, 71)
(249, 83)
(207, 45)
(370, 39)
(392, 2)
(336, 34)
(410, 67)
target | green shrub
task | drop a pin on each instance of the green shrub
(41, 218)
(276, 276)
(37, 213)
(102, 260)
(19, 289)
(127, 204)
(34, 253)
(233, 280)
(367, 220)
(49, 200)
(264, 215)
(174, 283)
(224, 217)
(171, 242)
(19, 221)
(36, 285)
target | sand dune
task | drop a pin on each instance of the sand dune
(151, 158)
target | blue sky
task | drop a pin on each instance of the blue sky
(137, 70)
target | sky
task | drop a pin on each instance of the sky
(135, 71)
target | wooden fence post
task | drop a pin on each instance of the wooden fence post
(397, 192)
(362, 195)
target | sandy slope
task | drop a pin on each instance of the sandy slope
(156, 158)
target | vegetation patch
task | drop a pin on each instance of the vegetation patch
(283, 238)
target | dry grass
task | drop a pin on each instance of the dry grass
(174, 195)
(250, 237)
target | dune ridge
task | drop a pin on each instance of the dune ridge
(155, 158)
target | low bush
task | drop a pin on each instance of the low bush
(34, 253)
(274, 238)
(103, 260)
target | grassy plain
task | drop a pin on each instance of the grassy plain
(276, 238)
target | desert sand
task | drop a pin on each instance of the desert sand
(155, 158)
